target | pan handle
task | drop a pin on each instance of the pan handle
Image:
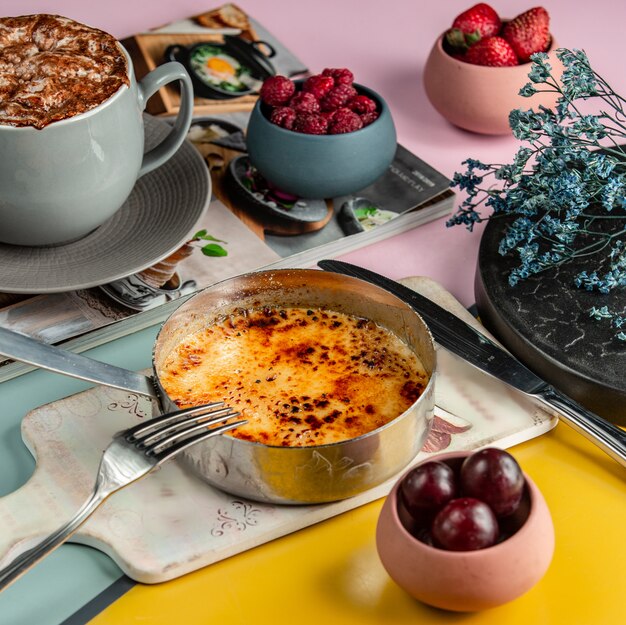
(26, 349)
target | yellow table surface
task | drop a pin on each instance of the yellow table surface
(330, 573)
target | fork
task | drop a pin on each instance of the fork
(131, 455)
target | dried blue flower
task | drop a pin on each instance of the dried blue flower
(567, 179)
(528, 90)
(616, 320)
(590, 126)
(613, 192)
(472, 164)
(600, 313)
(578, 79)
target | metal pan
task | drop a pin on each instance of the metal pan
(288, 475)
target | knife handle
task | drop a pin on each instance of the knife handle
(607, 436)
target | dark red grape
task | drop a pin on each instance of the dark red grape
(493, 476)
(426, 488)
(465, 524)
(423, 535)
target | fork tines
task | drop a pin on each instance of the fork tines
(163, 437)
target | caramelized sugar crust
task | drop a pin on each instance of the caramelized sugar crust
(52, 68)
(300, 377)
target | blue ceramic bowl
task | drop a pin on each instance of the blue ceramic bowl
(322, 166)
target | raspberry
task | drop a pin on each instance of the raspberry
(283, 116)
(311, 124)
(337, 97)
(277, 90)
(340, 114)
(318, 85)
(341, 76)
(362, 104)
(347, 121)
(368, 118)
(327, 104)
(304, 102)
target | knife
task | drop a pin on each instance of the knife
(478, 350)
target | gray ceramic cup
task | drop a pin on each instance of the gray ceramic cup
(59, 183)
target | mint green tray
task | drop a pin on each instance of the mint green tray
(71, 577)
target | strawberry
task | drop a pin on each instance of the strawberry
(472, 25)
(491, 51)
(528, 33)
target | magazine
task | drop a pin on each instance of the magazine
(245, 228)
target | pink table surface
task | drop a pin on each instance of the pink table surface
(386, 43)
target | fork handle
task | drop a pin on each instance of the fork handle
(29, 558)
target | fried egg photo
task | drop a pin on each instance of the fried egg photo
(218, 69)
(222, 67)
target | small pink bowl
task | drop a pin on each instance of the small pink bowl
(467, 581)
(480, 98)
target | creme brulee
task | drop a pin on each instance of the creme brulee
(299, 376)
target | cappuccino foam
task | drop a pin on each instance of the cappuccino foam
(52, 68)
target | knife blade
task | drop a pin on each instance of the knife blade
(478, 350)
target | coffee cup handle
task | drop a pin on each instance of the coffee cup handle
(147, 87)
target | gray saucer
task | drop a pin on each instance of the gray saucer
(157, 218)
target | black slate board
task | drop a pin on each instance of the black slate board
(544, 321)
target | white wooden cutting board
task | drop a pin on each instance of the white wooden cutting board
(171, 523)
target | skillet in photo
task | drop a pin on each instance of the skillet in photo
(221, 71)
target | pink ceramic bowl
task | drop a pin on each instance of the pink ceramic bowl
(467, 581)
(479, 98)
